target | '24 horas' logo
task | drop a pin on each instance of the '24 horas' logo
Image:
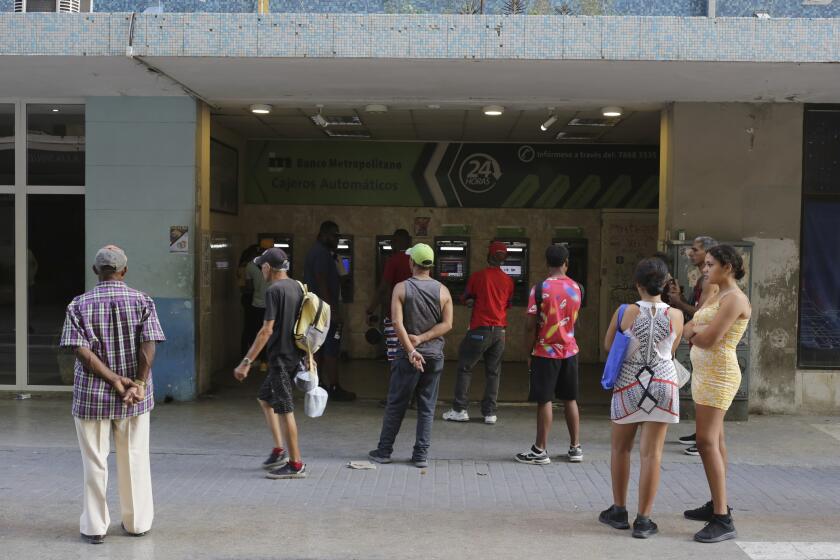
(479, 173)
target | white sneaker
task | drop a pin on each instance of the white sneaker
(490, 419)
(456, 415)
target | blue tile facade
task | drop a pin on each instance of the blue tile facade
(684, 8)
(429, 36)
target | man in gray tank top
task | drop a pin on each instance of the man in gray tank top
(421, 312)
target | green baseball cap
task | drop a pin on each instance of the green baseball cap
(422, 255)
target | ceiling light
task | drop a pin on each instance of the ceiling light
(376, 108)
(547, 124)
(611, 111)
(55, 110)
(493, 110)
(260, 109)
(433, 106)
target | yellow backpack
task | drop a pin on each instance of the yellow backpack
(312, 323)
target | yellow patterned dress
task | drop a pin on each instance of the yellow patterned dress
(716, 376)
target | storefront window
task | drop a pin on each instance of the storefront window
(7, 144)
(56, 274)
(55, 145)
(7, 289)
(819, 300)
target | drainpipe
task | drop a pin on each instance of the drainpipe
(262, 6)
(710, 12)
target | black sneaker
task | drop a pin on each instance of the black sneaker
(287, 471)
(130, 534)
(93, 539)
(689, 440)
(380, 456)
(276, 460)
(704, 513)
(693, 451)
(338, 393)
(533, 457)
(720, 528)
(614, 518)
(643, 527)
(420, 462)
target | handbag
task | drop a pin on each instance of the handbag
(683, 375)
(615, 357)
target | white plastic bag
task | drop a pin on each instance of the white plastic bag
(683, 375)
(306, 380)
(315, 402)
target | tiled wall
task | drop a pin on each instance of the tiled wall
(725, 8)
(426, 36)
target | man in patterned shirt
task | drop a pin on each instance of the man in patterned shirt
(113, 330)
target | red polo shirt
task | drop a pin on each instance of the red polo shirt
(492, 291)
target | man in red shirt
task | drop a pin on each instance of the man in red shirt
(489, 293)
(550, 331)
(396, 269)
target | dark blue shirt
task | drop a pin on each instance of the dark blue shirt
(320, 262)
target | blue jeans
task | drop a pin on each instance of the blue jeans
(406, 381)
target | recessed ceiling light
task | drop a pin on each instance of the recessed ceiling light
(433, 106)
(611, 111)
(376, 108)
(260, 109)
(493, 110)
(55, 109)
(547, 124)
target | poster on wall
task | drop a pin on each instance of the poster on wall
(179, 239)
(224, 178)
(453, 174)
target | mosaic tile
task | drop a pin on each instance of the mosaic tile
(428, 36)
(465, 39)
(309, 35)
(390, 36)
(621, 38)
(351, 36)
(660, 38)
(544, 37)
(202, 35)
(735, 39)
(238, 35)
(582, 38)
(162, 34)
(276, 35)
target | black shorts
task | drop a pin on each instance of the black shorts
(552, 378)
(276, 390)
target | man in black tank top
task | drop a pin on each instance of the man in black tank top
(421, 312)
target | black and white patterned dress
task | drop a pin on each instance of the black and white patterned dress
(647, 388)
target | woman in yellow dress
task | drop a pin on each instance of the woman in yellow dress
(714, 333)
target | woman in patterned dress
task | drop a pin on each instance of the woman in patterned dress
(646, 393)
(714, 334)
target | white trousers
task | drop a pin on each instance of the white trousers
(131, 439)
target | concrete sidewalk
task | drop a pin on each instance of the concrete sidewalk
(473, 501)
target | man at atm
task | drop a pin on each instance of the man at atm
(489, 292)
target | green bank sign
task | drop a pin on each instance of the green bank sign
(452, 174)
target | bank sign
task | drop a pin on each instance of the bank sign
(452, 174)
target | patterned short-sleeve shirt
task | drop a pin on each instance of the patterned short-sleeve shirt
(112, 320)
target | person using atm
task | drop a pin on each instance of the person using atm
(397, 268)
(489, 293)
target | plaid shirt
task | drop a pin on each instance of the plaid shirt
(111, 320)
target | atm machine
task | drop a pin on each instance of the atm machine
(344, 251)
(452, 264)
(578, 256)
(283, 241)
(516, 266)
(383, 253)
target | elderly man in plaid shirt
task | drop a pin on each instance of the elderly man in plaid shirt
(113, 330)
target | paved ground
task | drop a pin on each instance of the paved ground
(472, 502)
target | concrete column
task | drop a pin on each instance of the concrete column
(734, 171)
(140, 180)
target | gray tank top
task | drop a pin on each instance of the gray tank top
(421, 312)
